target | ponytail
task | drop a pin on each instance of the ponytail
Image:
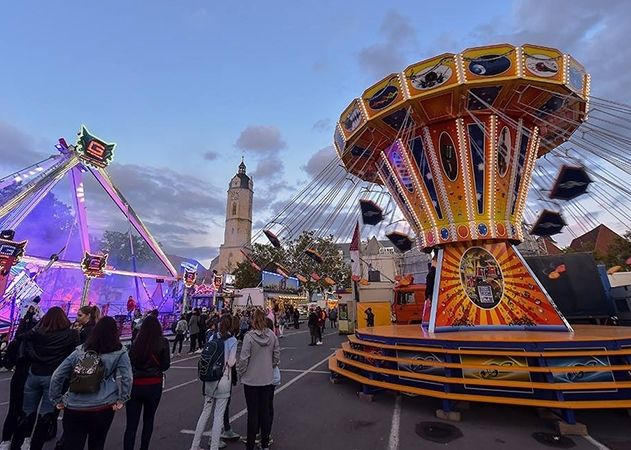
(92, 311)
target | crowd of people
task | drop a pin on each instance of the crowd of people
(84, 370)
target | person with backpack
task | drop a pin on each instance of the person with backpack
(215, 364)
(193, 326)
(150, 358)
(333, 317)
(180, 333)
(93, 395)
(47, 345)
(259, 355)
(16, 358)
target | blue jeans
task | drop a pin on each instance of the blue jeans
(36, 390)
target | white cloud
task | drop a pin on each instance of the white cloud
(319, 160)
(261, 139)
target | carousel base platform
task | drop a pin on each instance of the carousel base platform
(587, 369)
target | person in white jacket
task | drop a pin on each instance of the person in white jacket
(217, 391)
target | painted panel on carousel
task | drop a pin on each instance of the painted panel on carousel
(399, 120)
(542, 62)
(419, 368)
(352, 118)
(431, 74)
(383, 96)
(417, 148)
(483, 98)
(489, 286)
(338, 140)
(582, 376)
(397, 160)
(505, 152)
(487, 62)
(390, 181)
(477, 148)
(450, 174)
(518, 170)
(504, 370)
(448, 156)
(575, 76)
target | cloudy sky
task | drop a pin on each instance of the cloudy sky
(187, 87)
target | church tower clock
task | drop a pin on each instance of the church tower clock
(238, 231)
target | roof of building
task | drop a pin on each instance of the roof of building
(597, 240)
(550, 246)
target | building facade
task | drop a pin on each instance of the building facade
(238, 231)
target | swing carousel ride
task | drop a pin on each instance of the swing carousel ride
(52, 250)
(446, 152)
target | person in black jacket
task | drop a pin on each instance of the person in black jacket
(15, 358)
(150, 358)
(313, 325)
(87, 316)
(47, 345)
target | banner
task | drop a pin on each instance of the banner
(273, 282)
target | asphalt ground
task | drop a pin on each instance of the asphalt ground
(312, 414)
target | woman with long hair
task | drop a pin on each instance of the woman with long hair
(16, 358)
(217, 392)
(88, 416)
(87, 316)
(150, 358)
(259, 356)
(47, 345)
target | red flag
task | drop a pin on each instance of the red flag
(315, 277)
(301, 278)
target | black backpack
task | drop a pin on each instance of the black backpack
(87, 374)
(211, 363)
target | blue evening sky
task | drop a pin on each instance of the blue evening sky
(185, 87)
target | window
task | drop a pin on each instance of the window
(405, 298)
(386, 251)
(234, 208)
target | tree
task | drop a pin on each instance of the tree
(617, 253)
(293, 257)
(117, 245)
(263, 255)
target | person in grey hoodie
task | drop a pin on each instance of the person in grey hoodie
(259, 355)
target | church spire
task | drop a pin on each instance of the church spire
(242, 166)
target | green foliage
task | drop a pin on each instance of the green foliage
(617, 253)
(292, 257)
(117, 245)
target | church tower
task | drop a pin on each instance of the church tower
(238, 232)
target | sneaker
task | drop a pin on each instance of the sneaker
(5, 445)
(229, 435)
(319, 343)
(244, 439)
(198, 351)
(27, 444)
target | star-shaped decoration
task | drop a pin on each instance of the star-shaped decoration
(481, 167)
(93, 150)
(428, 175)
